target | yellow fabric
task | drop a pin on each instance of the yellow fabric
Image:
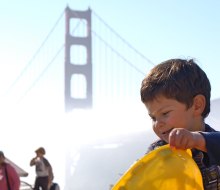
(162, 169)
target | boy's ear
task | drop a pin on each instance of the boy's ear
(199, 104)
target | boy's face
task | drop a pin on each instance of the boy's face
(167, 114)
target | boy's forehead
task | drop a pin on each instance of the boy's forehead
(159, 103)
(159, 99)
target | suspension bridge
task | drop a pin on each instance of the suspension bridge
(117, 68)
(56, 79)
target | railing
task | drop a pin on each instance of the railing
(25, 186)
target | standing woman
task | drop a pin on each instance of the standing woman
(44, 172)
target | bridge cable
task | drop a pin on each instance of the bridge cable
(127, 43)
(118, 54)
(35, 54)
(43, 72)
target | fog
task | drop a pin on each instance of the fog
(88, 149)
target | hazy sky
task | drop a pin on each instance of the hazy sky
(158, 29)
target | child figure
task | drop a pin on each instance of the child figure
(176, 94)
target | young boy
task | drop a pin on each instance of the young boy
(176, 94)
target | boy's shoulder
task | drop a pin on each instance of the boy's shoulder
(209, 129)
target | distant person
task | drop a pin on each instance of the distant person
(44, 172)
(9, 178)
(177, 94)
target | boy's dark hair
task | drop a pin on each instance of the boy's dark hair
(177, 79)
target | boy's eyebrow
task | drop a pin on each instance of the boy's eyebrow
(165, 107)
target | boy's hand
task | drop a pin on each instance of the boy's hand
(180, 138)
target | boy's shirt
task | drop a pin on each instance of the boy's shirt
(212, 138)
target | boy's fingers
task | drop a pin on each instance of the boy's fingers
(172, 137)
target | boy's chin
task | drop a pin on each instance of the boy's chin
(166, 140)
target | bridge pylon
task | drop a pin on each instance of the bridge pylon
(78, 77)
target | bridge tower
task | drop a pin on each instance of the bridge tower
(78, 76)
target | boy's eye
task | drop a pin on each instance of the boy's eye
(153, 118)
(165, 113)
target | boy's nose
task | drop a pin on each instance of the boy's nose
(159, 123)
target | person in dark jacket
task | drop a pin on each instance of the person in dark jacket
(44, 172)
(177, 95)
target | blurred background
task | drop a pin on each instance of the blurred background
(91, 146)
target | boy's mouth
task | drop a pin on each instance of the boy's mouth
(167, 132)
